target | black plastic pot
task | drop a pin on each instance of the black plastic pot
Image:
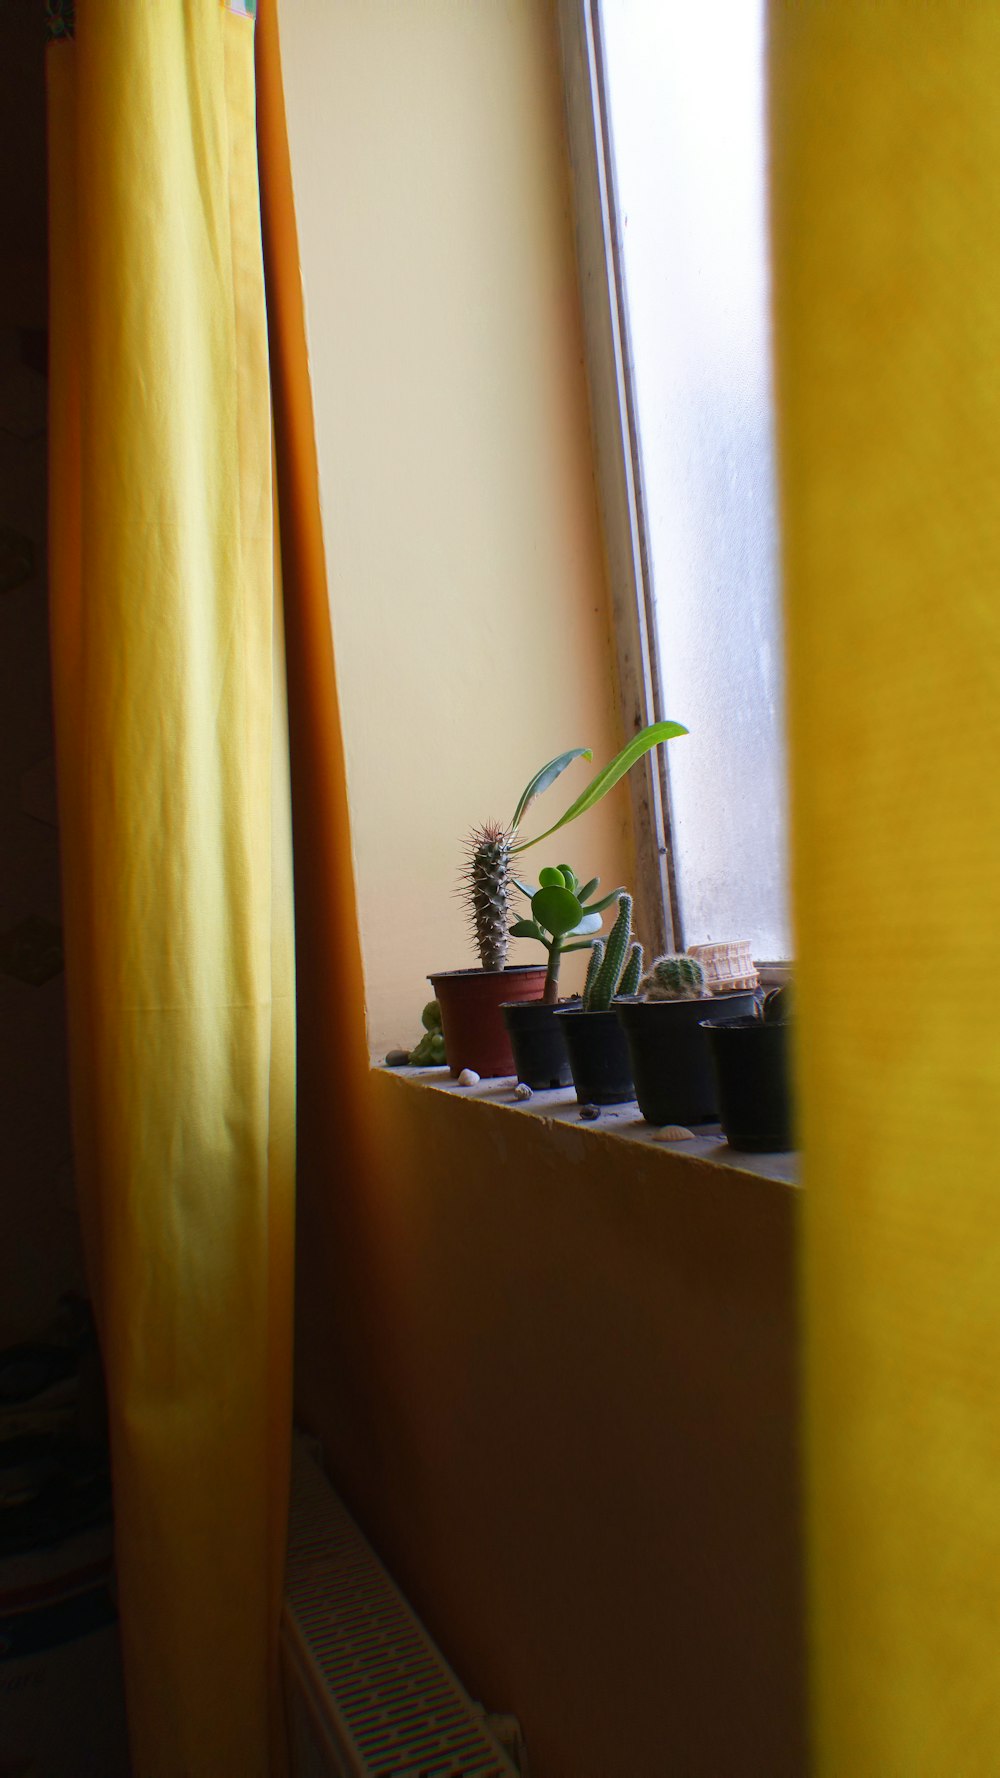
(536, 1038)
(751, 1064)
(670, 1055)
(598, 1056)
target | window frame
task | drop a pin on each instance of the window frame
(618, 466)
(618, 461)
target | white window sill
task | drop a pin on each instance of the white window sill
(622, 1122)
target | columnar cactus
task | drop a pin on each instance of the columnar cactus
(629, 983)
(593, 971)
(487, 886)
(605, 978)
(675, 978)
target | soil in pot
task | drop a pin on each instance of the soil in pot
(598, 1056)
(751, 1064)
(475, 1035)
(538, 1042)
(670, 1057)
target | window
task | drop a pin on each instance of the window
(667, 136)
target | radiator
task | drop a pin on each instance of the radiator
(368, 1694)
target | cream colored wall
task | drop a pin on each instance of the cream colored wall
(463, 546)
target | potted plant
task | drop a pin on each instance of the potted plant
(751, 1057)
(474, 1032)
(563, 918)
(598, 1052)
(671, 1062)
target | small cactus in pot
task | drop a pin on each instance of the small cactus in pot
(615, 968)
(669, 1051)
(597, 1047)
(677, 977)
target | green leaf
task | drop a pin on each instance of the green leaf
(547, 776)
(591, 922)
(608, 778)
(526, 929)
(551, 878)
(557, 910)
(525, 888)
(586, 944)
(587, 891)
(597, 907)
(571, 880)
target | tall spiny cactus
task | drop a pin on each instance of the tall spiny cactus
(602, 982)
(487, 887)
(675, 978)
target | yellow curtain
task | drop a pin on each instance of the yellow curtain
(173, 771)
(886, 168)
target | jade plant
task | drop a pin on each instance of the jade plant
(488, 878)
(677, 977)
(563, 918)
(614, 967)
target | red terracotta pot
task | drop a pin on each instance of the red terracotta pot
(475, 1035)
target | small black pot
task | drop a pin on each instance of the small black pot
(751, 1063)
(671, 1060)
(536, 1038)
(598, 1057)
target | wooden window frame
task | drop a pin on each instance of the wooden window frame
(618, 461)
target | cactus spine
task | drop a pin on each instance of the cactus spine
(675, 978)
(487, 885)
(605, 983)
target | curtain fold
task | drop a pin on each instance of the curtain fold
(172, 750)
(885, 133)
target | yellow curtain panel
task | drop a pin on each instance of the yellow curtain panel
(886, 169)
(173, 772)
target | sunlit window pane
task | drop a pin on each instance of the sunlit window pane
(686, 96)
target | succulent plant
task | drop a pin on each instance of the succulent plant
(779, 1006)
(613, 965)
(487, 886)
(678, 977)
(487, 880)
(429, 1052)
(563, 917)
(632, 972)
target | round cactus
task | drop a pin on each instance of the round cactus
(675, 978)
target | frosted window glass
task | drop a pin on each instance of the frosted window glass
(685, 83)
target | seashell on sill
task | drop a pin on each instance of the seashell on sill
(673, 1133)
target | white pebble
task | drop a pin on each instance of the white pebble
(522, 1090)
(468, 1078)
